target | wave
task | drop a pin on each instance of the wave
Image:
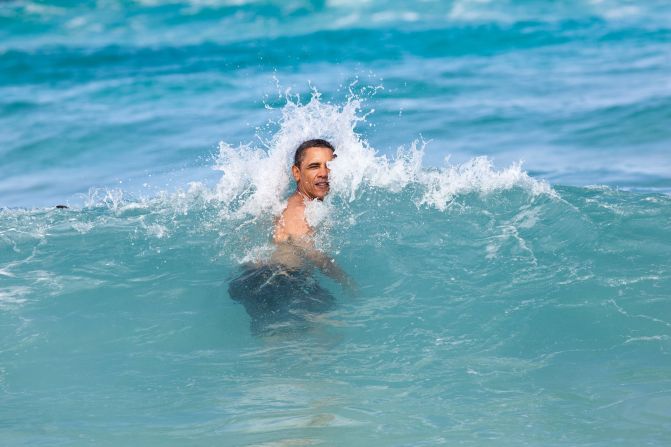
(254, 183)
(231, 221)
(23, 65)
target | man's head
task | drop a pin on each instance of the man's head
(310, 170)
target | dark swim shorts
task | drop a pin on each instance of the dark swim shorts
(277, 299)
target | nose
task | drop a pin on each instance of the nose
(323, 171)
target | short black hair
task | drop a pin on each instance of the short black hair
(298, 156)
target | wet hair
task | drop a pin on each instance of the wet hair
(300, 150)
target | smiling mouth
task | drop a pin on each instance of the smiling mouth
(322, 184)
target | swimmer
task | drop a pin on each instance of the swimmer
(283, 295)
(292, 235)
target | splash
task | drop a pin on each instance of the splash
(255, 180)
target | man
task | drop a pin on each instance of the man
(283, 294)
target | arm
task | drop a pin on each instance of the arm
(327, 265)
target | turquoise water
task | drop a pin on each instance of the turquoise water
(498, 302)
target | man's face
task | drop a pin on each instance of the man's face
(313, 175)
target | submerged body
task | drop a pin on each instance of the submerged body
(278, 299)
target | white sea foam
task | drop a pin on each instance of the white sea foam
(255, 180)
(11, 297)
(475, 10)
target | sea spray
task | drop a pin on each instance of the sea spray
(255, 181)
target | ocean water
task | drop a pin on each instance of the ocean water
(501, 198)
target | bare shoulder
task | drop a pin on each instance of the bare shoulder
(291, 223)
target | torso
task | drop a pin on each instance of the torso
(290, 234)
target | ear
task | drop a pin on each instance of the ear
(296, 173)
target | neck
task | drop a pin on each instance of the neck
(302, 194)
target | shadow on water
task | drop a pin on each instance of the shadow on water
(279, 301)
